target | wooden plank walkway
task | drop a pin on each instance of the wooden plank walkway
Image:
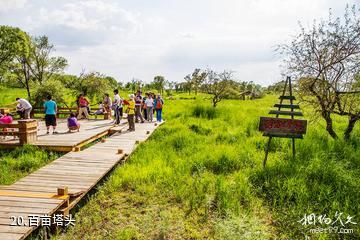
(80, 171)
(90, 131)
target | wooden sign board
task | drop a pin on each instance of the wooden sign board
(282, 125)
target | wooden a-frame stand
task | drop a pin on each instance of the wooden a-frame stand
(285, 112)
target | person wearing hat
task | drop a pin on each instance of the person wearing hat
(131, 112)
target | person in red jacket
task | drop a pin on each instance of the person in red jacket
(83, 107)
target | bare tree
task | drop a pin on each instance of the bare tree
(325, 58)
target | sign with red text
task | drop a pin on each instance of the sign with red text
(282, 125)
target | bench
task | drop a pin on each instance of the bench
(25, 130)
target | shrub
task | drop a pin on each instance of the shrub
(51, 87)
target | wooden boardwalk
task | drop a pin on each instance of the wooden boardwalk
(36, 194)
(90, 131)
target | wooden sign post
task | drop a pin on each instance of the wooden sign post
(283, 127)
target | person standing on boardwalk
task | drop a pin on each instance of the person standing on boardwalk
(118, 107)
(143, 106)
(25, 107)
(50, 114)
(83, 107)
(131, 112)
(107, 104)
(158, 103)
(149, 107)
(138, 103)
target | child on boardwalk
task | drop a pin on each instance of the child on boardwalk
(73, 123)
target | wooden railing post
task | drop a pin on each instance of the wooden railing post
(27, 131)
(107, 115)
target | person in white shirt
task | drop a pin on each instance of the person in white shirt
(117, 106)
(25, 107)
(149, 107)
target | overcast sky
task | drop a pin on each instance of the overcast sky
(144, 38)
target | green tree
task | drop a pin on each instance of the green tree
(159, 83)
(42, 65)
(14, 52)
(13, 41)
(196, 79)
(217, 84)
(92, 84)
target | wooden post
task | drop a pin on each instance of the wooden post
(77, 149)
(267, 151)
(64, 191)
(107, 115)
(292, 116)
(27, 131)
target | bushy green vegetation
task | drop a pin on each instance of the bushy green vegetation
(15, 164)
(200, 176)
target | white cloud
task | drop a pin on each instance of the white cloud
(85, 22)
(6, 5)
(137, 38)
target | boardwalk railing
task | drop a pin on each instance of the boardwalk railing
(26, 130)
(65, 111)
(61, 112)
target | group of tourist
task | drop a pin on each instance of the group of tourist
(137, 107)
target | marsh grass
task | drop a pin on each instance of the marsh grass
(200, 176)
(15, 164)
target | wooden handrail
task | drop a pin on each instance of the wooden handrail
(26, 130)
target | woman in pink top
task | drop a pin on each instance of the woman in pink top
(5, 119)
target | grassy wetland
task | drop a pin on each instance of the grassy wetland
(200, 176)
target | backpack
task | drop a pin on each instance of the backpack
(159, 104)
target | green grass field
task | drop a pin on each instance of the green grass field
(8, 95)
(200, 176)
(15, 164)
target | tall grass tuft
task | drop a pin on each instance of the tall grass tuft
(201, 111)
